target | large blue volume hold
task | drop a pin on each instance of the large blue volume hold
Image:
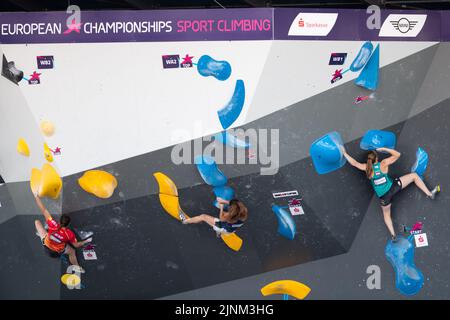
(207, 168)
(224, 192)
(231, 111)
(421, 163)
(286, 224)
(374, 139)
(326, 153)
(362, 57)
(368, 78)
(207, 66)
(230, 140)
(408, 278)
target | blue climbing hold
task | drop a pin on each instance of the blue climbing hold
(408, 278)
(232, 110)
(230, 140)
(326, 153)
(421, 163)
(224, 192)
(368, 78)
(286, 224)
(374, 139)
(207, 66)
(208, 170)
(362, 57)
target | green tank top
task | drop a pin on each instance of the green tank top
(381, 182)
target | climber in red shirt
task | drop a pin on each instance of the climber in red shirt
(59, 239)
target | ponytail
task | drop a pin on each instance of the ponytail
(238, 211)
(371, 159)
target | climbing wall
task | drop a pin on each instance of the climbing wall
(120, 105)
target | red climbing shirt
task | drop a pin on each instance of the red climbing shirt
(57, 237)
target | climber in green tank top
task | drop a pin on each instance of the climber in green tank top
(381, 182)
(384, 186)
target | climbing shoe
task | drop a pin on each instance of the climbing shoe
(435, 191)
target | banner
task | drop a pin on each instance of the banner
(356, 24)
(445, 25)
(139, 26)
(224, 25)
(316, 24)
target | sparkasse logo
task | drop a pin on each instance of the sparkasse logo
(407, 25)
(313, 24)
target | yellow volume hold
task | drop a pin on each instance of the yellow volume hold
(232, 240)
(290, 287)
(100, 183)
(166, 185)
(45, 182)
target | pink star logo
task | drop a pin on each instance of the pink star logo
(360, 99)
(35, 76)
(57, 151)
(337, 74)
(417, 226)
(187, 60)
(294, 202)
(73, 27)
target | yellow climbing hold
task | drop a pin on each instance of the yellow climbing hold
(168, 196)
(70, 280)
(48, 153)
(166, 185)
(293, 288)
(45, 182)
(47, 128)
(232, 240)
(22, 147)
(99, 183)
(172, 206)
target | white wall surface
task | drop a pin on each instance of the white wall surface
(113, 101)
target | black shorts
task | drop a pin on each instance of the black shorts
(225, 227)
(387, 198)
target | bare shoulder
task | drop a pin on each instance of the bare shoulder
(384, 166)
